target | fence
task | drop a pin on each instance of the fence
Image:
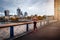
(9, 30)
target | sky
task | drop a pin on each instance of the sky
(32, 7)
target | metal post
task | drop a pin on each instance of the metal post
(40, 23)
(44, 22)
(11, 31)
(27, 28)
(47, 21)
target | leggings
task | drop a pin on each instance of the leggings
(35, 27)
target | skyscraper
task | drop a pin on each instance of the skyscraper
(25, 14)
(19, 12)
(6, 12)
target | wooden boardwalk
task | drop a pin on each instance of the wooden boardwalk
(48, 32)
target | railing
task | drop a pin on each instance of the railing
(42, 22)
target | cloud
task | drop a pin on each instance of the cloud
(40, 7)
(1, 14)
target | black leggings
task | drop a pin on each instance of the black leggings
(35, 27)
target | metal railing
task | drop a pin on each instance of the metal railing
(27, 26)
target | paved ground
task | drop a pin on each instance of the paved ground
(49, 32)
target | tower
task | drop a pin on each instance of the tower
(6, 12)
(19, 12)
(25, 14)
(57, 9)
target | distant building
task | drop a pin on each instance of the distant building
(19, 12)
(6, 12)
(49, 17)
(25, 14)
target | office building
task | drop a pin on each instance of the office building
(6, 12)
(19, 12)
(25, 14)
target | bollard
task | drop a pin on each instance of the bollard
(11, 31)
(35, 27)
(27, 28)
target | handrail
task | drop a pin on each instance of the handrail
(14, 24)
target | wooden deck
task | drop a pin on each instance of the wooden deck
(48, 32)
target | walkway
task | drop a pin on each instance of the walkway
(48, 32)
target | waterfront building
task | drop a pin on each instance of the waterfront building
(6, 12)
(19, 12)
(25, 14)
(49, 17)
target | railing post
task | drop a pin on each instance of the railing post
(11, 31)
(44, 22)
(47, 21)
(27, 28)
(40, 23)
(35, 27)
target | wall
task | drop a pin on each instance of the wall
(57, 9)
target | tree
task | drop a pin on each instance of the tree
(2, 19)
(14, 19)
(40, 18)
(44, 17)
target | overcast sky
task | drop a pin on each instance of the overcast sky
(39, 7)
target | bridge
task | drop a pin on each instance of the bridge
(26, 31)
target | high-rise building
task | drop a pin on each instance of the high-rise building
(25, 14)
(19, 12)
(6, 12)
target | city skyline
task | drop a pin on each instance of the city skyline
(39, 7)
